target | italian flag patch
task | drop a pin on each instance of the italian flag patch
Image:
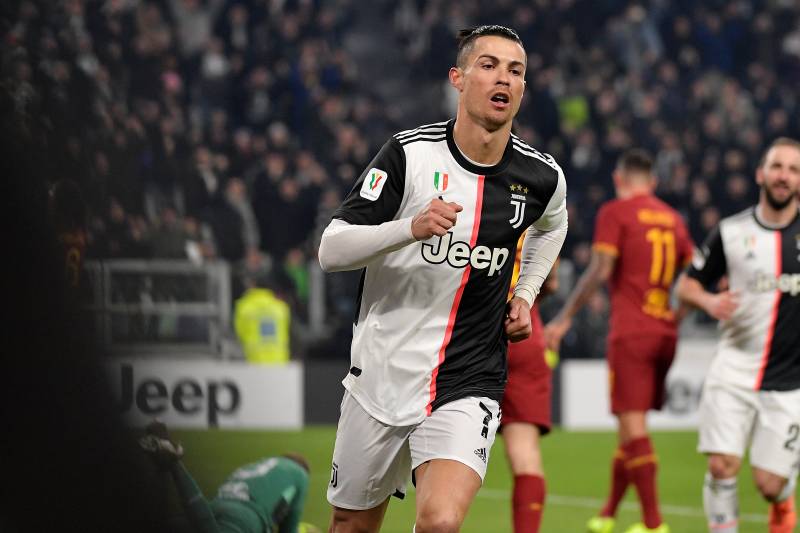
(439, 181)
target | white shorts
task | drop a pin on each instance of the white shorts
(769, 421)
(372, 461)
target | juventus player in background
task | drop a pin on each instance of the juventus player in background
(751, 396)
(640, 243)
(434, 222)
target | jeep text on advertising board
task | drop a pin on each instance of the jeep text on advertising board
(205, 393)
(153, 397)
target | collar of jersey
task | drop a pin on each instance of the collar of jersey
(471, 167)
(773, 228)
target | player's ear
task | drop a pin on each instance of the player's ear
(759, 176)
(618, 178)
(456, 78)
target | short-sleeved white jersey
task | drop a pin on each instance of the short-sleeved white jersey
(759, 345)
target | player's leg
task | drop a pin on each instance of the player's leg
(357, 521)
(526, 418)
(604, 522)
(449, 453)
(524, 456)
(445, 490)
(371, 462)
(782, 511)
(726, 418)
(774, 454)
(640, 463)
(638, 369)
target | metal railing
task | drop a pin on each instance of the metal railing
(160, 306)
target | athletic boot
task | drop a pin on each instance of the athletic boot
(600, 524)
(782, 516)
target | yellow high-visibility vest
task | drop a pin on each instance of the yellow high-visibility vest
(261, 322)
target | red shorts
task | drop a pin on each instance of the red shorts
(637, 371)
(527, 396)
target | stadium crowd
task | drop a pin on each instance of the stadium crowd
(231, 129)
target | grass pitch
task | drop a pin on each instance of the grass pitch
(577, 466)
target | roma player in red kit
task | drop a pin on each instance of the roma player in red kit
(640, 244)
(526, 412)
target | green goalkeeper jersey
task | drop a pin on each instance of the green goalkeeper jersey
(262, 497)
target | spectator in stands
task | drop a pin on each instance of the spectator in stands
(143, 96)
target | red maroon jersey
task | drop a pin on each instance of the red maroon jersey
(651, 245)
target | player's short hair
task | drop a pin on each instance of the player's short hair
(635, 161)
(468, 36)
(299, 459)
(780, 141)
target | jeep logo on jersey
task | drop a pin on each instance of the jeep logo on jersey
(459, 254)
(373, 184)
(785, 283)
(440, 181)
(518, 201)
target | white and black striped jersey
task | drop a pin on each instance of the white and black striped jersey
(759, 345)
(429, 326)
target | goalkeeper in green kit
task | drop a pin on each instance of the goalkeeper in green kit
(263, 497)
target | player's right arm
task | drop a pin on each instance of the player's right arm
(596, 274)
(166, 455)
(364, 227)
(707, 268)
(604, 258)
(194, 503)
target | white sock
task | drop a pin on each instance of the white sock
(788, 489)
(721, 503)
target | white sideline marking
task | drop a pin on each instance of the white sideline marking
(596, 503)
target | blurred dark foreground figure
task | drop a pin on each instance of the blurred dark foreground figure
(68, 464)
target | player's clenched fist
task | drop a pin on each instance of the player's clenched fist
(518, 320)
(436, 218)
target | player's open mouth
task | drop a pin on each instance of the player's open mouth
(500, 100)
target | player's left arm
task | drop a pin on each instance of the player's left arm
(540, 249)
(292, 521)
(542, 244)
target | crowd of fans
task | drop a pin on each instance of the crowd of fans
(230, 129)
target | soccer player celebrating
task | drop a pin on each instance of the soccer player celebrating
(526, 415)
(751, 396)
(434, 223)
(639, 245)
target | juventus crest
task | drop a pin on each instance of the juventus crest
(518, 201)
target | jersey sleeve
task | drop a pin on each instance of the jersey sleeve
(378, 192)
(709, 264)
(607, 231)
(292, 520)
(194, 503)
(555, 213)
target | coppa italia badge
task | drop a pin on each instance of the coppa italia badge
(518, 200)
(440, 181)
(373, 184)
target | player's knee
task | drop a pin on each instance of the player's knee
(345, 521)
(723, 466)
(437, 520)
(769, 485)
